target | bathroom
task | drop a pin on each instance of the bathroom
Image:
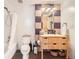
(25, 22)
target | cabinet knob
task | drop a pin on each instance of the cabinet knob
(45, 37)
(54, 43)
(45, 43)
(63, 43)
(63, 38)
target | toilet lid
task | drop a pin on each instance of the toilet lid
(26, 40)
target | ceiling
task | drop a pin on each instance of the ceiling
(40, 1)
(35, 1)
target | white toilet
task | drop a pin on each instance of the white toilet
(25, 48)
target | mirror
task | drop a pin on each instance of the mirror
(47, 18)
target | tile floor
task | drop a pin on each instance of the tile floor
(18, 55)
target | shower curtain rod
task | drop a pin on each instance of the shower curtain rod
(8, 12)
(6, 9)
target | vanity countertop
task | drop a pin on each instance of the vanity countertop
(52, 35)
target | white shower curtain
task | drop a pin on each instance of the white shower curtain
(12, 44)
(7, 28)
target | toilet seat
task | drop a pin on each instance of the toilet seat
(25, 49)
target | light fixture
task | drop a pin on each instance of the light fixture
(53, 9)
(71, 9)
(43, 9)
(48, 9)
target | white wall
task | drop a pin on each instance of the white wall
(26, 24)
(68, 16)
(26, 21)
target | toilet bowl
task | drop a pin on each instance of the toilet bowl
(25, 48)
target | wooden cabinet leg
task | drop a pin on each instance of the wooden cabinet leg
(41, 53)
(67, 54)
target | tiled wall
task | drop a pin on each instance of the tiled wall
(38, 19)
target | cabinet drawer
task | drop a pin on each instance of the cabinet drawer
(53, 46)
(44, 40)
(53, 40)
(44, 45)
(63, 40)
(63, 46)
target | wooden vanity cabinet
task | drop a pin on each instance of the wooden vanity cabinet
(53, 42)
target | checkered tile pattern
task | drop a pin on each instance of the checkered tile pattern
(38, 20)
